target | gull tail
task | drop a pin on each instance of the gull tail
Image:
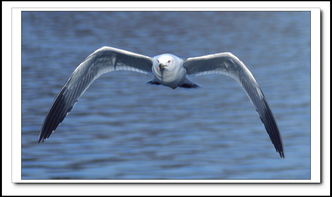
(188, 84)
(154, 82)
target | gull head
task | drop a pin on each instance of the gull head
(168, 70)
(166, 62)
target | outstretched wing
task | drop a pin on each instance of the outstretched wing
(103, 60)
(230, 65)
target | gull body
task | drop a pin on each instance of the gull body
(168, 70)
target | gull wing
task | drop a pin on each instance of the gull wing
(230, 65)
(103, 60)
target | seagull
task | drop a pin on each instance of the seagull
(168, 70)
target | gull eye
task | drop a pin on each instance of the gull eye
(169, 61)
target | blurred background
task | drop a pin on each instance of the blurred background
(123, 128)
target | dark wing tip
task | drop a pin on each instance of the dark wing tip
(41, 139)
(282, 155)
(56, 115)
(272, 128)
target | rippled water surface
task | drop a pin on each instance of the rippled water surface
(123, 128)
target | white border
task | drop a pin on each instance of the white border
(16, 62)
(315, 74)
(16, 95)
(315, 96)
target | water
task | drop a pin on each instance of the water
(123, 128)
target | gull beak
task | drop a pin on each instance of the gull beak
(162, 67)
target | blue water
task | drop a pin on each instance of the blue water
(123, 128)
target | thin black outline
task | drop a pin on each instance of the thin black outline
(155, 181)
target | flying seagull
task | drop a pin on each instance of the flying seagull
(168, 70)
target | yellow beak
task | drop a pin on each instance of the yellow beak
(162, 66)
